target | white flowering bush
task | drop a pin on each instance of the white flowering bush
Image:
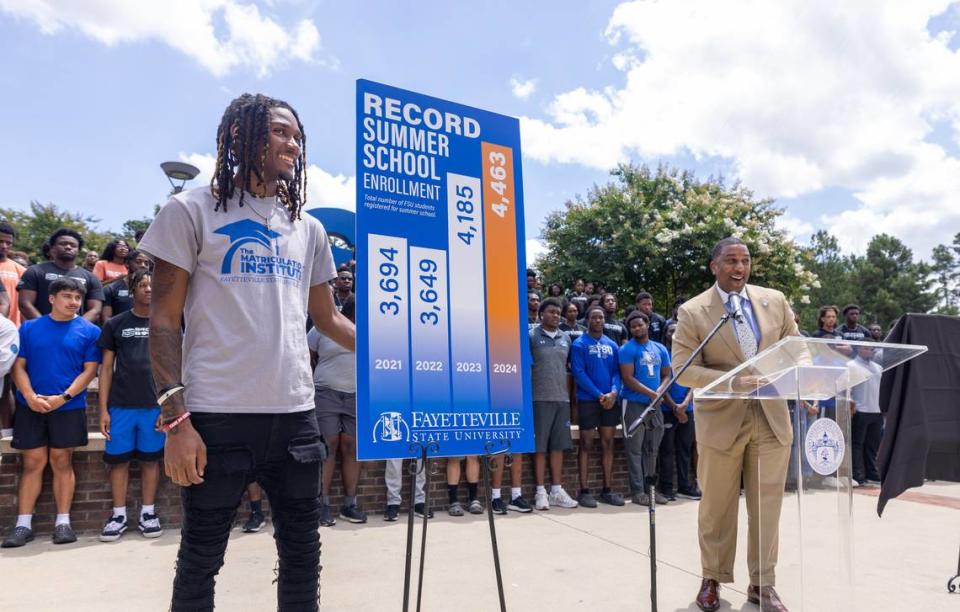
(653, 230)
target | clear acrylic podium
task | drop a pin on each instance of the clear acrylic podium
(820, 379)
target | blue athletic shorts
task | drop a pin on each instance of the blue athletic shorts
(133, 436)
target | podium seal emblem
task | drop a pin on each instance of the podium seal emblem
(824, 446)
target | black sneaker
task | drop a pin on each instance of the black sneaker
(392, 513)
(586, 500)
(326, 517)
(693, 493)
(671, 496)
(113, 528)
(499, 506)
(63, 534)
(611, 498)
(255, 523)
(18, 537)
(353, 514)
(149, 526)
(418, 510)
(518, 504)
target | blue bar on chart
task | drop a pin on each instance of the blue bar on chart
(468, 324)
(429, 324)
(387, 318)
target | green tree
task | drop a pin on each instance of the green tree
(835, 283)
(945, 268)
(132, 226)
(652, 230)
(890, 283)
(35, 226)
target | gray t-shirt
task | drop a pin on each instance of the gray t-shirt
(244, 350)
(551, 356)
(336, 366)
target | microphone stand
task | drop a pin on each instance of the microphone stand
(645, 415)
(644, 419)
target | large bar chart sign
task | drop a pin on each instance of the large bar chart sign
(442, 348)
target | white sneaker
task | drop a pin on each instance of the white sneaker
(831, 481)
(541, 501)
(562, 499)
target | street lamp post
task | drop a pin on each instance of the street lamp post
(179, 171)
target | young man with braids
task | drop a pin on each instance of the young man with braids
(238, 262)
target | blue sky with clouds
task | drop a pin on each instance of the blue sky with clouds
(848, 115)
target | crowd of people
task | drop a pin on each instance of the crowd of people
(592, 365)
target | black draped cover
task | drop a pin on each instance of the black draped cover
(921, 402)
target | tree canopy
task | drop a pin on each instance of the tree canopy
(652, 230)
(33, 227)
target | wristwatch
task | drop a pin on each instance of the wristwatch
(66, 396)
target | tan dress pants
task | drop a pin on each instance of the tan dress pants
(762, 459)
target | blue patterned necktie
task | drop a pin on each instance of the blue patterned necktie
(745, 335)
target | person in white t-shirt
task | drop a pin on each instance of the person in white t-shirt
(867, 426)
(239, 264)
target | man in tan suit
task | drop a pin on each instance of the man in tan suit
(735, 437)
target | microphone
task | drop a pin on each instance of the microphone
(735, 302)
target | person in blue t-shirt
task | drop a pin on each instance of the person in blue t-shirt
(58, 359)
(676, 447)
(595, 366)
(644, 367)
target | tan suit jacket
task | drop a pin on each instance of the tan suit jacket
(718, 421)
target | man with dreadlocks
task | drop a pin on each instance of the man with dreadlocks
(236, 261)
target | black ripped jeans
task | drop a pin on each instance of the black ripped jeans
(282, 452)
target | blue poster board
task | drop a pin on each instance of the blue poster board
(442, 342)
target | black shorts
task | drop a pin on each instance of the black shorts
(57, 429)
(551, 426)
(591, 415)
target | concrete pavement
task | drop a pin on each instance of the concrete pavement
(558, 560)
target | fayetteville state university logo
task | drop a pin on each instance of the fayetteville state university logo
(390, 427)
(824, 446)
(254, 255)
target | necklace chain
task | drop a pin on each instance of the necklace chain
(266, 218)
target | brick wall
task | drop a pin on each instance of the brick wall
(92, 502)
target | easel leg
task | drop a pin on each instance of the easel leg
(489, 458)
(425, 465)
(956, 579)
(413, 469)
(653, 547)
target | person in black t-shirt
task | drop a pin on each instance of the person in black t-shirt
(569, 321)
(851, 329)
(342, 287)
(827, 322)
(578, 296)
(117, 298)
(129, 414)
(533, 309)
(658, 324)
(612, 328)
(33, 290)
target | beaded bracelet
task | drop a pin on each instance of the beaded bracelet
(180, 419)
